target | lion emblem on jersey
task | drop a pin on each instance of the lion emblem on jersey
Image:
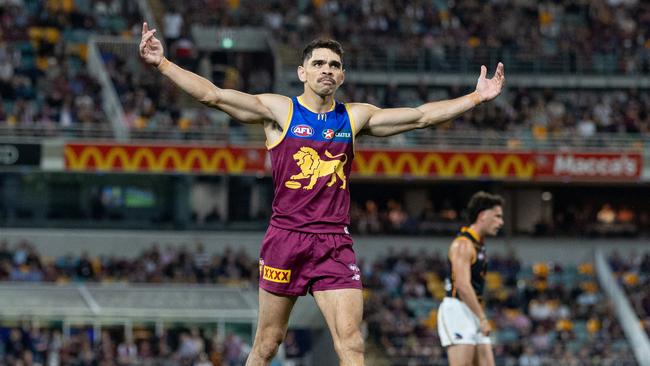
(313, 167)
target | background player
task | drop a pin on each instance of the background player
(463, 326)
(307, 247)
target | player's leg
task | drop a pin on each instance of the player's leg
(484, 354)
(282, 256)
(461, 354)
(272, 325)
(457, 331)
(343, 312)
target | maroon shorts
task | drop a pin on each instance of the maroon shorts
(294, 263)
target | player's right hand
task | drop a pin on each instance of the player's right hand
(151, 49)
(485, 327)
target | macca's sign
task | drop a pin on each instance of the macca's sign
(590, 166)
(500, 165)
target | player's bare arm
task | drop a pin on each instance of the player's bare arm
(461, 255)
(375, 121)
(271, 110)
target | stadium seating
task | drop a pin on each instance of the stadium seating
(44, 87)
(544, 314)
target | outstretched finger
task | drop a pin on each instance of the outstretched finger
(499, 71)
(145, 27)
(483, 72)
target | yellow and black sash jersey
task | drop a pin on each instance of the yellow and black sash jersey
(477, 269)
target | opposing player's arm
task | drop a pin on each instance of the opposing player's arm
(244, 107)
(390, 121)
(461, 256)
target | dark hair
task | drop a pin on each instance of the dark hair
(480, 202)
(321, 43)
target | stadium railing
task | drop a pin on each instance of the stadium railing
(127, 302)
(99, 305)
(629, 321)
(432, 139)
(110, 100)
(463, 60)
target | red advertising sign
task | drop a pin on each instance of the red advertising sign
(499, 165)
(589, 166)
(163, 158)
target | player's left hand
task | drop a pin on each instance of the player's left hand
(485, 327)
(489, 89)
(151, 49)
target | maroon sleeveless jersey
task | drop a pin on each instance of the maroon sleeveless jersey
(311, 165)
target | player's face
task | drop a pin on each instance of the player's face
(323, 72)
(492, 220)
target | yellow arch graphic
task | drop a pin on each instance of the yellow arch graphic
(446, 169)
(80, 162)
(106, 162)
(129, 163)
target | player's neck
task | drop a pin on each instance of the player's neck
(476, 232)
(317, 103)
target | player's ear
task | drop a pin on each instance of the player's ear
(342, 76)
(481, 215)
(302, 74)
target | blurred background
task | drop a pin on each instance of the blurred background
(131, 216)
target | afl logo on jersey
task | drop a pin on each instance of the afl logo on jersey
(328, 134)
(303, 131)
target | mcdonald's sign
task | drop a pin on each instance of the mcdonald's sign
(589, 166)
(515, 165)
(495, 165)
(163, 158)
(376, 163)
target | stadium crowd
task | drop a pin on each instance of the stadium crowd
(544, 315)
(154, 265)
(44, 83)
(444, 216)
(33, 345)
(599, 36)
(44, 49)
(541, 314)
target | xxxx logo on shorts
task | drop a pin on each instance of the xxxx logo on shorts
(276, 275)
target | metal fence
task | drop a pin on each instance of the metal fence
(431, 139)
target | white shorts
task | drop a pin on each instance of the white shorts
(457, 324)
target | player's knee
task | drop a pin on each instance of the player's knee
(267, 346)
(350, 341)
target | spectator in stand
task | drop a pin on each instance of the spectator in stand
(606, 215)
(172, 25)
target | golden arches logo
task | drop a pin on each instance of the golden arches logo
(444, 167)
(144, 158)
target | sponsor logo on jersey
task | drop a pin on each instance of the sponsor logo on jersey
(328, 134)
(344, 134)
(303, 131)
